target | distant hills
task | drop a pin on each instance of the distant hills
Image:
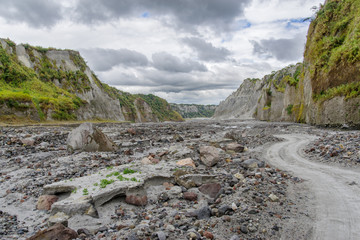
(50, 84)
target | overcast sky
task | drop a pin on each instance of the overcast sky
(186, 51)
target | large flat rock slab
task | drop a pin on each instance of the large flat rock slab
(88, 192)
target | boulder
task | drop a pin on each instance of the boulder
(46, 201)
(252, 164)
(59, 217)
(190, 196)
(209, 155)
(88, 138)
(235, 147)
(58, 231)
(186, 162)
(210, 189)
(136, 200)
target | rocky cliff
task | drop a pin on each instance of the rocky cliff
(241, 104)
(325, 88)
(50, 84)
(194, 110)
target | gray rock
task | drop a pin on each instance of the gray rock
(235, 237)
(209, 155)
(90, 139)
(252, 164)
(161, 235)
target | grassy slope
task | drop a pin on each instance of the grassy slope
(24, 88)
(333, 50)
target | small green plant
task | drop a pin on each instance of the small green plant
(74, 191)
(85, 192)
(134, 179)
(289, 109)
(122, 178)
(109, 167)
(128, 171)
(105, 182)
(96, 184)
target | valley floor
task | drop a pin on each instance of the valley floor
(293, 181)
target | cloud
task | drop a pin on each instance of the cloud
(281, 49)
(105, 59)
(35, 13)
(167, 62)
(206, 51)
(185, 14)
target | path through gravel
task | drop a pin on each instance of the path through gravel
(337, 191)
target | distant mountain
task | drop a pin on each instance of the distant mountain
(50, 84)
(194, 110)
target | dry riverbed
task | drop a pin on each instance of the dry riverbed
(140, 192)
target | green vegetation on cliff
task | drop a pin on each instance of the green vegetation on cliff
(333, 47)
(49, 88)
(23, 88)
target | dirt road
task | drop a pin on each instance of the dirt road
(337, 191)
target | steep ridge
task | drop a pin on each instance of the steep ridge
(241, 104)
(325, 88)
(194, 110)
(50, 84)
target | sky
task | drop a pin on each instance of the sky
(185, 51)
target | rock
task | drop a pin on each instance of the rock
(163, 197)
(273, 198)
(146, 161)
(208, 235)
(58, 231)
(46, 201)
(224, 209)
(252, 164)
(204, 212)
(234, 207)
(209, 155)
(28, 141)
(178, 138)
(193, 235)
(161, 235)
(239, 176)
(82, 205)
(190, 196)
(211, 189)
(189, 180)
(244, 229)
(136, 200)
(170, 228)
(59, 217)
(90, 139)
(85, 232)
(235, 147)
(235, 237)
(186, 162)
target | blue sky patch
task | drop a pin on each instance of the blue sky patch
(145, 15)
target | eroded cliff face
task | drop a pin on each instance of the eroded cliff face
(325, 88)
(51, 84)
(194, 110)
(241, 104)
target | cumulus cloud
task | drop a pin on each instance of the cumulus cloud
(167, 62)
(186, 14)
(206, 51)
(105, 59)
(36, 13)
(281, 49)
